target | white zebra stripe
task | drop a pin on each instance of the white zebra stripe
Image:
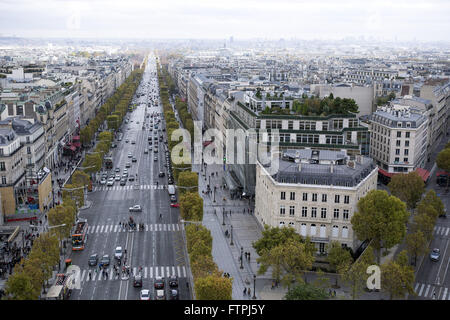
(96, 230)
(151, 272)
(156, 272)
(134, 271)
(438, 229)
(145, 273)
(426, 291)
(184, 272)
(173, 270)
(421, 289)
(417, 286)
(444, 294)
(115, 228)
(82, 275)
(179, 272)
(168, 271)
(101, 228)
(162, 272)
(446, 233)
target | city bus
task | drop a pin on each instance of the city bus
(79, 236)
(108, 161)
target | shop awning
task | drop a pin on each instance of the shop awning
(73, 148)
(424, 174)
(385, 173)
(76, 144)
(442, 173)
(75, 138)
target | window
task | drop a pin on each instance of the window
(397, 143)
(336, 198)
(314, 197)
(304, 211)
(335, 232)
(397, 160)
(305, 197)
(323, 231)
(3, 179)
(407, 134)
(399, 134)
(313, 230)
(291, 224)
(291, 210)
(303, 229)
(282, 210)
(405, 160)
(344, 232)
(283, 195)
(406, 152)
(29, 150)
(290, 124)
(323, 213)
(397, 152)
(406, 143)
(345, 214)
(336, 214)
(292, 196)
(2, 166)
(347, 199)
(281, 224)
(324, 197)
(313, 212)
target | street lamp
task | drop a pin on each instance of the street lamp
(223, 216)
(231, 243)
(254, 286)
(215, 193)
(241, 267)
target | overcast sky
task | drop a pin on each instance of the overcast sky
(242, 19)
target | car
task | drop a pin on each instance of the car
(137, 281)
(131, 178)
(110, 182)
(104, 175)
(175, 205)
(143, 127)
(135, 208)
(173, 281)
(155, 159)
(160, 295)
(173, 198)
(118, 177)
(150, 148)
(93, 259)
(173, 294)
(130, 155)
(134, 159)
(103, 181)
(133, 142)
(113, 145)
(155, 150)
(105, 260)
(435, 254)
(170, 180)
(137, 122)
(118, 252)
(128, 165)
(125, 175)
(126, 140)
(111, 176)
(144, 294)
(159, 283)
(117, 170)
(145, 151)
(161, 174)
(123, 181)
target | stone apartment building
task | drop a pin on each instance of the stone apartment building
(316, 193)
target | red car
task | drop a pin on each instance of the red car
(175, 205)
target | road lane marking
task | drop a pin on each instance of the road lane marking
(173, 270)
(421, 289)
(446, 233)
(442, 231)
(115, 228)
(444, 294)
(101, 228)
(438, 229)
(156, 272)
(98, 227)
(151, 272)
(440, 265)
(168, 271)
(426, 291)
(415, 288)
(179, 271)
(145, 273)
(184, 272)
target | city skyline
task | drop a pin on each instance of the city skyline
(242, 20)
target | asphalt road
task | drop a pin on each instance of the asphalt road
(159, 250)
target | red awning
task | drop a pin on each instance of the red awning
(76, 144)
(75, 138)
(73, 148)
(424, 174)
(206, 143)
(442, 173)
(385, 173)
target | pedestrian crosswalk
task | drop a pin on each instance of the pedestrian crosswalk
(441, 231)
(431, 291)
(147, 273)
(109, 228)
(130, 187)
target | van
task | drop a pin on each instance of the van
(171, 190)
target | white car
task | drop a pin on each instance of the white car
(110, 182)
(145, 294)
(118, 252)
(135, 208)
(103, 181)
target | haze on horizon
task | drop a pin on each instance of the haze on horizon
(404, 20)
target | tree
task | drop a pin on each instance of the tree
(443, 161)
(113, 122)
(204, 266)
(356, 275)
(288, 260)
(397, 278)
(187, 179)
(213, 288)
(191, 206)
(75, 193)
(433, 200)
(428, 209)
(306, 291)
(274, 236)
(339, 258)
(19, 286)
(197, 233)
(407, 187)
(381, 218)
(423, 222)
(80, 178)
(416, 244)
(92, 162)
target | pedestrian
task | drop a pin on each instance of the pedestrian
(249, 256)
(329, 292)
(90, 275)
(334, 293)
(248, 290)
(245, 291)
